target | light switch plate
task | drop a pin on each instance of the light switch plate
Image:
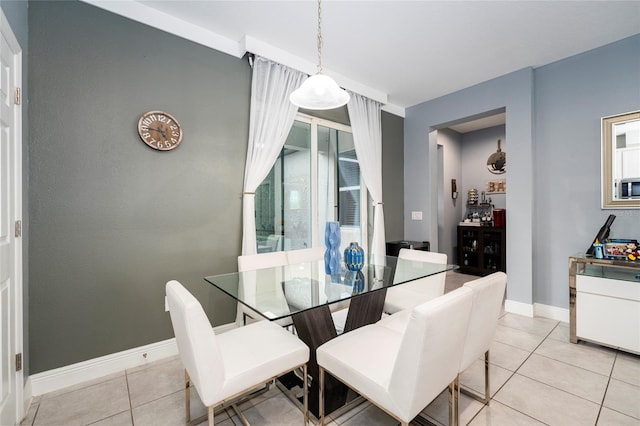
(416, 215)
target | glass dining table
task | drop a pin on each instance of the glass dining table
(309, 296)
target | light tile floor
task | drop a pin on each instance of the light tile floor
(537, 377)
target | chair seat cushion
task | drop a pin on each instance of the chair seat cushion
(363, 359)
(255, 353)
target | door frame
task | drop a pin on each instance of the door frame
(17, 300)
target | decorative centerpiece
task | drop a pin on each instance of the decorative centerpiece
(354, 257)
(332, 259)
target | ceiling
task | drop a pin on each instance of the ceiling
(405, 52)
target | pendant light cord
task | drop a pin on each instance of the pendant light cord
(319, 37)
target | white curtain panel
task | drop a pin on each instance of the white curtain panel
(270, 121)
(364, 115)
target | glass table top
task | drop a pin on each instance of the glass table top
(281, 291)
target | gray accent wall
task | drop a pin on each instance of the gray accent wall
(393, 175)
(113, 220)
(16, 13)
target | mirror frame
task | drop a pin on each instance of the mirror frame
(608, 201)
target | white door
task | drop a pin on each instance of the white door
(11, 406)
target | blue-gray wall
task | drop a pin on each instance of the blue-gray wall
(553, 129)
(571, 96)
(513, 92)
(450, 211)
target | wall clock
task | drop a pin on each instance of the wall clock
(160, 130)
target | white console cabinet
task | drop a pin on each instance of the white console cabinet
(604, 302)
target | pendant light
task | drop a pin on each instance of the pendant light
(320, 91)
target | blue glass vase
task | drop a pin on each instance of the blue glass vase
(354, 257)
(332, 258)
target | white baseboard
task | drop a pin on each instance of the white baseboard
(552, 312)
(537, 310)
(69, 375)
(519, 308)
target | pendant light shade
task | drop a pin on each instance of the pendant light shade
(319, 91)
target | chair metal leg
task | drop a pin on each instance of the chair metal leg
(239, 413)
(305, 394)
(321, 402)
(487, 387)
(211, 416)
(187, 394)
(486, 398)
(454, 402)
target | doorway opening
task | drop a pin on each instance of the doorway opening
(468, 192)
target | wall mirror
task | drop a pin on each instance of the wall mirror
(621, 161)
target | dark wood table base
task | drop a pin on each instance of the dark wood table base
(315, 327)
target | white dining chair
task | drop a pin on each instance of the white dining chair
(303, 264)
(261, 260)
(250, 281)
(411, 294)
(401, 372)
(488, 295)
(305, 255)
(225, 367)
(338, 310)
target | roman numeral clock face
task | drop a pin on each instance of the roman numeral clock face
(160, 130)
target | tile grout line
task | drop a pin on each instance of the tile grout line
(126, 379)
(570, 393)
(575, 366)
(581, 368)
(516, 370)
(35, 414)
(606, 388)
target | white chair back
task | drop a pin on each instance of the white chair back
(197, 343)
(305, 255)
(253, 276)
(433, 285)
(411, 294)
(422, 256)
(261, 260)
(431, 350)
(488, 293)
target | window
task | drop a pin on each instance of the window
(315, 179)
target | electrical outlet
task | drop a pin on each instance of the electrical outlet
(416, 215)
(166, 304)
